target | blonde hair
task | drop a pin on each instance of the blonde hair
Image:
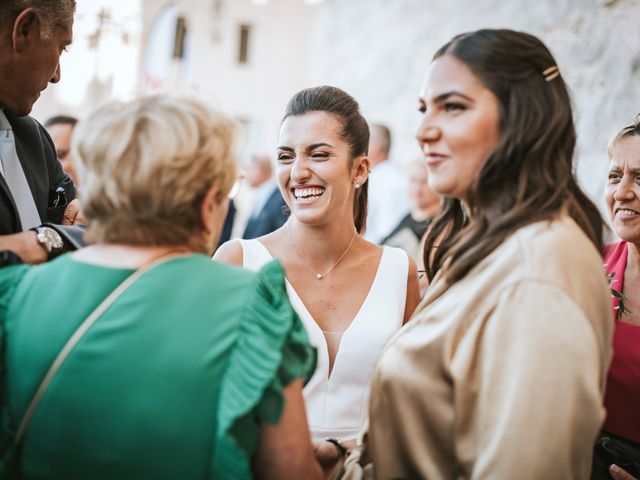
(632, 129)
(146, 166)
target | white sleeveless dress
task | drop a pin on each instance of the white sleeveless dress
(337, 403)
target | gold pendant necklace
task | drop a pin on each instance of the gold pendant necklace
(319, 276)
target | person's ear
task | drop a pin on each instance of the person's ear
(208, 210)
(26, 28)
(361, 169)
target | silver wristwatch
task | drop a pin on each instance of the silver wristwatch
(50, 240)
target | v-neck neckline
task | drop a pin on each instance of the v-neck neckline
(319, 333)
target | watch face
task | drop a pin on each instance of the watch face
(54, 238)
(49, 239)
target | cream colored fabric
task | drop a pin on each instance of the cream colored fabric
(502, 375)
(337, 396)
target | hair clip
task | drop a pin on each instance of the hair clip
(551, 73)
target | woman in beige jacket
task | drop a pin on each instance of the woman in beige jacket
(500, 373)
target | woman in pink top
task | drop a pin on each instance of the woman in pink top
(622, 259)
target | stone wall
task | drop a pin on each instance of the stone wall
(378, 50)
(256, 92)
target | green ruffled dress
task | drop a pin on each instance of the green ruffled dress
(172, 382)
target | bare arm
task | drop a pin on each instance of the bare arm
(413, 291)
(230, 253)
(24, 245)
(285, 450)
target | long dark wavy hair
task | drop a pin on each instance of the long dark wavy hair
(529, 176)
(355, 131)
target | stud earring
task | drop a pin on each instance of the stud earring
(357, 184)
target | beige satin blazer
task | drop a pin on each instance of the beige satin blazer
(502, 375)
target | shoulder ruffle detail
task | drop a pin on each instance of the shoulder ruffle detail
(272, 349)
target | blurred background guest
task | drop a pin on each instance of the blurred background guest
(190, 369)
(409, 232)
(269, 209)
(229, 221)
(619, 443)
(388, 198)
(61, 128)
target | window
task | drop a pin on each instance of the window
(181, 33)
(243, 44)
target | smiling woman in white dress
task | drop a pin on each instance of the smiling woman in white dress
(351, 295)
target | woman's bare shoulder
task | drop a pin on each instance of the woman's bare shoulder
(371, 248)
(230, 253)
(367, 251)
(276, 242)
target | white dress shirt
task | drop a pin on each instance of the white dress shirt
(388, 200)
(262, 195)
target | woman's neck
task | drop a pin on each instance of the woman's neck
(320, 242)
(633, 258)
(126, 256)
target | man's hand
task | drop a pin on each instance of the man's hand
(25, 246)
(73, 215)
(619, 473)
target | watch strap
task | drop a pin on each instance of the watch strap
(52, 250)
(339, 445)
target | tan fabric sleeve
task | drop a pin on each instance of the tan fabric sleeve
(356, 466)
(532, 402)
(352, 470)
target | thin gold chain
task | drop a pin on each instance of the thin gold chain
(319, 276)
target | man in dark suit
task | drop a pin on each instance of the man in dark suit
(269, 211)
(34, 189)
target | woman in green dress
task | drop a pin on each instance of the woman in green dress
(195, 371)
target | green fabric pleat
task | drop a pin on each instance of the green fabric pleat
(271, 351)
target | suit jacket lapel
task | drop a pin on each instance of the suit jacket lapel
(14, 209)
(32, 158)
